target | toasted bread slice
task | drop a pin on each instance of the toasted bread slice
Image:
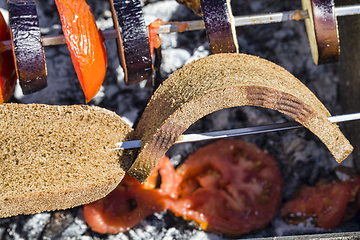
(57, 157)
(222, 81)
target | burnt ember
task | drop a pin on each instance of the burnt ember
(302, 158)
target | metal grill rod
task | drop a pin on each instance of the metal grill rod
(187, 138)
(199, 24)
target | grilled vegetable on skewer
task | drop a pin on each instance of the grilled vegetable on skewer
(133, 41)
(154, 38)
(322, 30)
(222, 81)
(26, 45)
(7, 69)
(85, 44)
(198, 25)
(220, 27)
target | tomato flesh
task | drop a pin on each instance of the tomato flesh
(85, 43)
(7, 68)
(326, 203)
(169, 179)
(130, 202)
(229, 187)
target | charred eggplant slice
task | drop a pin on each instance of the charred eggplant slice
(133, 42)
(220, 27)
(27, 46)
(322, 30)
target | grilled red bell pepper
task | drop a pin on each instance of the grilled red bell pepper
(85, 43)
(154, 38)
(7, 69)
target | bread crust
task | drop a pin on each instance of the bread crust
(223, 81)
(57, 157)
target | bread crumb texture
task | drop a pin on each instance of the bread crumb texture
(57, 157)
(222, 81)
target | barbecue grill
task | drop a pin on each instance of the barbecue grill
(302, 157)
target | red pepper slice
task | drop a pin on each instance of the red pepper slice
(154, 38)
(131, 202)
(326, 203)
(85, 44)
(7, 68)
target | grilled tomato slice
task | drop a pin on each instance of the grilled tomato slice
(327, 203)
(131, 201)
(7, 68)
(85, 43)
(229, 187)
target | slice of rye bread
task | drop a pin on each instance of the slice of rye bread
(57, 157)
(223, 81)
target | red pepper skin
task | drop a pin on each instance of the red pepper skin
(85, 43)
(7, 68)
(154, 38)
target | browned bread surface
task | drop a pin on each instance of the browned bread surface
(222, 81)
(57, 157)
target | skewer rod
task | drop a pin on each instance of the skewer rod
(199, 24)
(187, 138)
(347, 10)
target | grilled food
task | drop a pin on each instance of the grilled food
(57, 157)
(222, 81)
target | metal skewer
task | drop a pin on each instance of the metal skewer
(187, 138)
(199, 24)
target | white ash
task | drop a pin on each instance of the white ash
(32, 228)
(302, 157)
(161, 9)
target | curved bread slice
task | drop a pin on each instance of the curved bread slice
(57, 157)
(222, 81)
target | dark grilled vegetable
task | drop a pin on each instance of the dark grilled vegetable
(219, 24)
(133, 42)
(27, 46)
(322, 30)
